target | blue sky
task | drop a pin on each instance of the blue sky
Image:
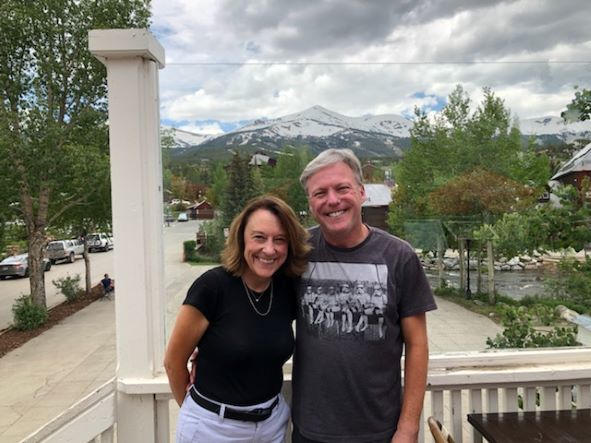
(232, 61)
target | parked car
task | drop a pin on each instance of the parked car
(64, 250)
(183, 217)
(99, 242)
(18, 266)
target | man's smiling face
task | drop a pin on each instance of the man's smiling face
(335, 198)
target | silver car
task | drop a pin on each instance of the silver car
(18, 266)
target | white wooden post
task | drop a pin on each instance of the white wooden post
(132, 58)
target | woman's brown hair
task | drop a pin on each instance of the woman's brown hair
(297, 237)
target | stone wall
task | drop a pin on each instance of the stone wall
(451, 262)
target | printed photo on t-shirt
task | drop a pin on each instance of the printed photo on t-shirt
(344, 301)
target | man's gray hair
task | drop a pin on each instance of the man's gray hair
(329, 158)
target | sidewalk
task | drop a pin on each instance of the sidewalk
(51, 372)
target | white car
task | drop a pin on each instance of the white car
(183, 217)
(64, 250)
(99, 242)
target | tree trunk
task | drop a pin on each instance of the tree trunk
(440, 254)
(478, 268)
(87, 267)
(491, 272)
(462, 264)
(35, 222)
(37, 241)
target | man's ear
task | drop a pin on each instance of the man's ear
(362, 192)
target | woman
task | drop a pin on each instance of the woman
(240, 317)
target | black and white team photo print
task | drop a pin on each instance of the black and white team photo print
(345, 300)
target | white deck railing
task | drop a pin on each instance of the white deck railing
(459, 383)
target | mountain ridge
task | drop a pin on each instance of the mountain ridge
(319, 128)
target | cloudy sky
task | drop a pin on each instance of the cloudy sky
(232, 61)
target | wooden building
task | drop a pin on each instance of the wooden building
(576, 169)
(374, 210)
(201, 211)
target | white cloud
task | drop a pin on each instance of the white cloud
(427, 47)
(206, 128)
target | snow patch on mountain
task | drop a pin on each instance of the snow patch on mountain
(321, 122)
(550, 125)
(186, 139)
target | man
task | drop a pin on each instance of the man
(347, 387)
(108, 285)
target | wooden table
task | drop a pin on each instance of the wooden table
(535, 427)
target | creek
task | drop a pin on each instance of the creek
(514, 284)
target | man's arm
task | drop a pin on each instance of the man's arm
(416, 362)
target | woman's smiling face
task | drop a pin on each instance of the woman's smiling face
(265, 247)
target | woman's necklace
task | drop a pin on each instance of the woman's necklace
(251, 296)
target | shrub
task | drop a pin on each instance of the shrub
(520, 330)
(189, 251)
(446, 291)
(69, 286)
(573, 283)
(215, 239)
(27, 315)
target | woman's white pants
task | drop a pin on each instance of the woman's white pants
(198, 425)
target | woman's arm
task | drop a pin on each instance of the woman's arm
(188, 329)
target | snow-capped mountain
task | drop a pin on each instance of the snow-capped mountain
(321, 122)
(547, 128)
(186, 139)
(319, 128)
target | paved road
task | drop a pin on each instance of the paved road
(12, 288)
(101, 263)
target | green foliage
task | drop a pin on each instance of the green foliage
(211, 250)
(459, 143)
(580, 107)
(284, 180)
(214, 231)
(572, 285)
(240, 188)
(28, 315)
(189, 250)
(53, 132)
(446, 291)
(521, 330)
(545, 227)
(480, 193)
(219, 184)
(69, 286)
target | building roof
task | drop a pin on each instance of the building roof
(259, 159)
(377, 194)
(581, 161)
(197, 205)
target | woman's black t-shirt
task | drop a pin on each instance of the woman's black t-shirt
(241, 354)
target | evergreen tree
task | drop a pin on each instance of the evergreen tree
(240, 188)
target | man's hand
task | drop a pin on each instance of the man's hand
(402, 436)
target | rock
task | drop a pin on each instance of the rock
(514, 261)
(564, 312)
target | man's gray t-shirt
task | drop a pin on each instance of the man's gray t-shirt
(347, 375)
